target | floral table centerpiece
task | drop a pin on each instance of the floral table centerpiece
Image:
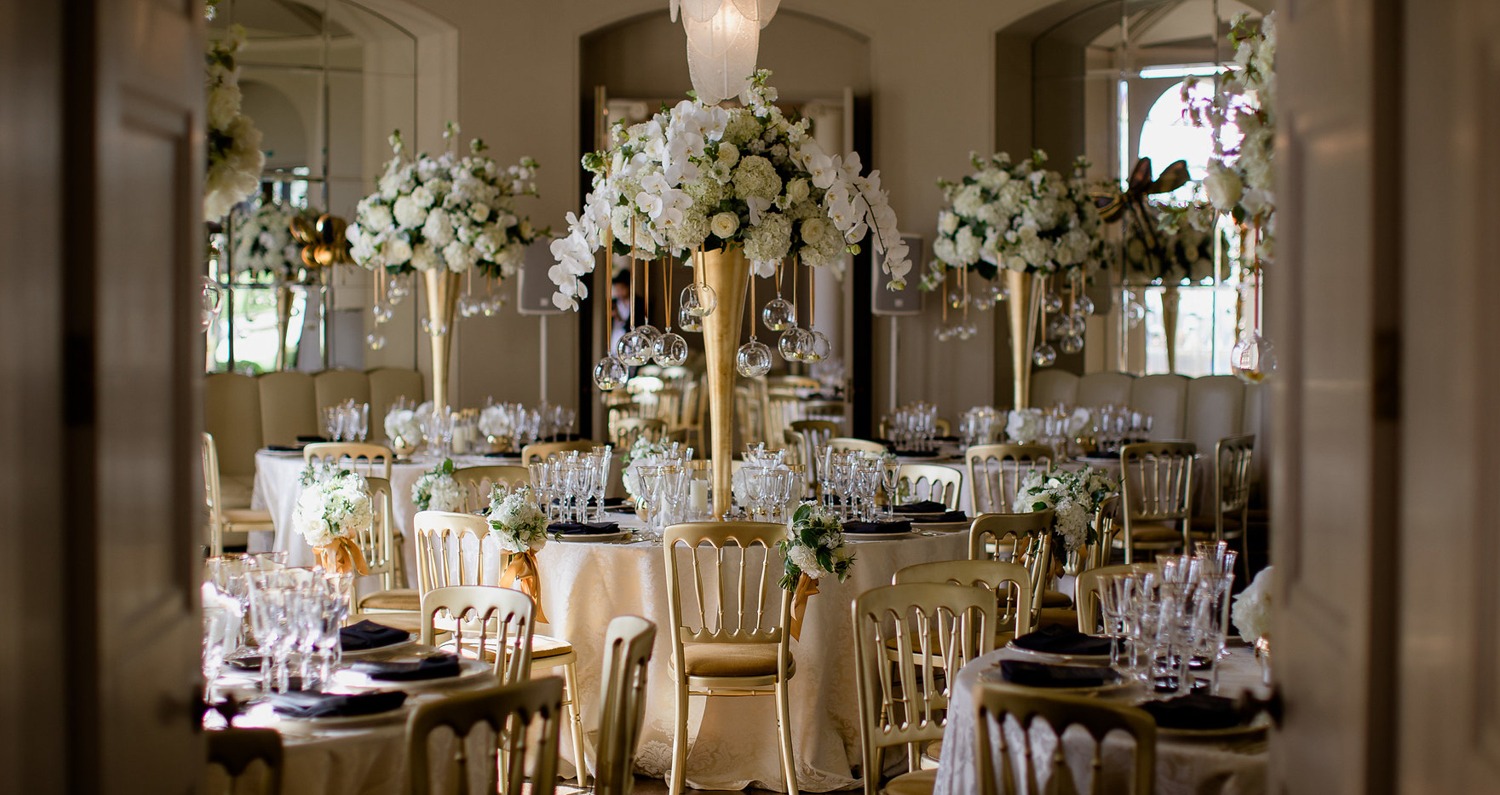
(1252, 611)
(403, 428)
(1074, 498)
(520, 528)
(1182, 247)
(262, 243)
(1022, 221)
(814, 547)
(736, 188)
(436, 490)
(444, 217)
(333, 509)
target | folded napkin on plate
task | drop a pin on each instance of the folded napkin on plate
(583, 529)
(438, 666)
(501, 455)
(857, 528)
(945, 517)
(1196, 711)
(614, 501)
(284, 448)
(1062, 640)
(925, 506)
(298, 704)
(1032, 674)
(310, 438)
(368, 635)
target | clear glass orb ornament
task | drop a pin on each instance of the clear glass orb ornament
(212, 302)
(671, 350)
(382, 313)
(375, 340)
(635, 348)
(956, 300)
(1052, 302)
(1071, 343)
(468, 307)
(1135, 313)
(789, 343)
(436, 329)
(819, 348)
(1004, 294)
(753, 359)
(988, 296)
(687, 321)
(700, 299)
(779, 314)
(491, 306)
(610, 374)
(651, 333)
(1253, 358)
(396, 289)
(1057, 326)
(1044, 355)
(1084, 305)
(943, 333)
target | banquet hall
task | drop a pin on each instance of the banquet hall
(412, 396)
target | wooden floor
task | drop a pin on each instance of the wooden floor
(655, 786)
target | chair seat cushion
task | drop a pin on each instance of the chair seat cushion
(919, 782)
(544, 646)
(235, 490)
(406, 599)
(1058, 616)
(729, 659)
(1056, 599)
(1153, 533)
(245, 516)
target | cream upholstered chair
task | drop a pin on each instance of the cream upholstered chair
(728, 632)
(287, 407)
(994, 703)
(383, 556)
(1086, 592)
(1009, 582)
(622, 702)
(1103, 389)
(370, 460)
(523, 720)
(388, 385)
(1025, 539)
(541, 451)
(223, 520)
(1052, 387)
(848, 443)
(235, 750)
(903, 697)
(332, 387)
(231, 412)
(1156, 492)
(476, 482)
(996, 472)
(456, 549)
(1164, 397)
(626, 430)
(931, 482)
(1215, 409)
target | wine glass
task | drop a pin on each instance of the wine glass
(890, 472)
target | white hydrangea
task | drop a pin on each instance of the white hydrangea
(333, 506)
(516, 522)
(1253, 607)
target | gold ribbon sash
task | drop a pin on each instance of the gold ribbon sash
(342, 555)
(523, 575)
(806, 587)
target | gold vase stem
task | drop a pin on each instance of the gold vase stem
(1171, 300)
(1024, 303)
(727, 273)
(442, 300)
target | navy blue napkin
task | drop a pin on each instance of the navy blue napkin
(1196, 711)
(438, 666)
(1062, 640)
(858, 528)
(1034, 674)
(925, 506)
(298, 704)
(368, 635)
(583, 529)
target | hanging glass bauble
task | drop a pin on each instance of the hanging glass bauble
(988, 296)
(635, 348)
(491, 306)
(437, 329)
(468, 306)
(610, 373)
(942, 333)
(396, 289)
(1071, 343)
(753, 359)
(651, 333)
(671, 350)
(699, 299)
(1084, 305)
(1135, 313)
(1253, 358)
(1057, 326)
(687, 321)
(1052, 302)
(956, 299)
(212, 301)
(1044, 355)
(819, 348)
(789, 343)
(375, 340)
(779, 314)
(382, 313)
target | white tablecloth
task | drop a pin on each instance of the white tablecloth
(1183, 767)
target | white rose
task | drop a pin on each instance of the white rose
(1223, 186)
(724, 224)
(409, 214)
(397, 252)
(947, 222)
(423, 197)
(797, 190)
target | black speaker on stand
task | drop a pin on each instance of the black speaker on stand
(897, 303)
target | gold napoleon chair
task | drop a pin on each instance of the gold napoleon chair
(1009, 582)
(370, 460)
(626, 430)
(522, 719)
(396, 606)
(477, 481)
(859, 445)
(1024, 539)
(728, 624)
(1156, 492)
(223, 520)
(995, 703)
(622, 702)
(933, 482)
(235, 750)
(996, 472)
(541, 451)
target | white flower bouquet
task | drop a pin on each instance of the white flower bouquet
(436, 490)
(706, 177)
(1015, 216)
(446, 212)
(1073, 498)
(263, 241)
(403, 424)
(234, 157)
(815, 546)
(334, 505)
(1024, 426)
(1252, 608)
(645, 452)
(1185, 250)
(517, 523)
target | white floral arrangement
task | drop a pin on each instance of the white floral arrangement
(517, 523)
(333, 504)
(436, 490)
(495, 420)
(643, 453)
(404, 424)
(1185, 238)
(1015, 216)
(263, 241)
(706, 177)
(1074, 497)
(1253, 606)
(1024, 426)
(815, 546)
(234, 157)
(1241, 180)
(445, 213)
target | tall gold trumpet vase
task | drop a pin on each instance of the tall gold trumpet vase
(1024, 303)
(283, 322)
(442, 305)
(726, 272)
(1170, 300)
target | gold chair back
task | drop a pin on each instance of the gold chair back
(1009, 582)
(378, 542)
(834, 411)
(541, 451)
(931, 482)
(1232, 457)
(1086, 592)
(730, 570)
(995, 703)
(370, 460)
(502, 621)
(626, 430)
(219, 520)
(996, 472)
(235, 750)
(442, 542)
(1156, 484)
(903, 697)
(477, 481)
(858, 445)
(1106, 528)
(523, 719)
(622, 697)
(1021, 538)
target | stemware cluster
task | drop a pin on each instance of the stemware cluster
(1116, 426)
(511, 426)
(850, 480)
(981, 425)
(913, 426)
(1171, 625)
(765, 485)
(566, 483)
(347, 422)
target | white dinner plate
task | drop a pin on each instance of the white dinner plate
(594, 537)
(942, 527)
(879, 536)
(411, 640)
(1042, 656)
(468, 671)
(1120, 683)
(303, 725)
(920, 517)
